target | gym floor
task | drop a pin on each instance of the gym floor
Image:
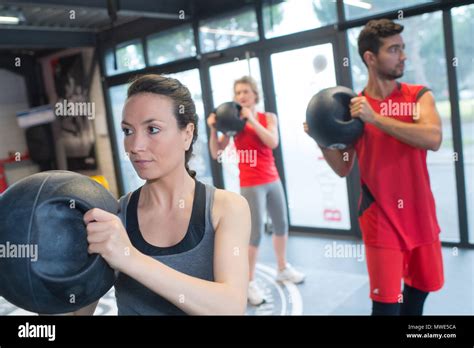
(340, 285)
(336, 283)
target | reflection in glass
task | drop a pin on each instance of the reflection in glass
(230, 31)
(171, 45)
(129, 57)
(361, 8)
(292, 16)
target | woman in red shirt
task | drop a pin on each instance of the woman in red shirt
(259, 180)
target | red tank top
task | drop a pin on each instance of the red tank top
(396, 207)
(256, 164)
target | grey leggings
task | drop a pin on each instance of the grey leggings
(272, 197)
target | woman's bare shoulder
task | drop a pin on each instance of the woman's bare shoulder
(228, 199)
(227, 203)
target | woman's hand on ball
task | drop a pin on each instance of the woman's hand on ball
(247, 114)
(107, 236)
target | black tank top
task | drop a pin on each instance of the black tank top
(192, 237)
(193, 255)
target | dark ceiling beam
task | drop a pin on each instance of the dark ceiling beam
(162, 9)
(134, 30)
(146, 26)
(50, 29)
(14, 38)
(211, 8)
(58, 3)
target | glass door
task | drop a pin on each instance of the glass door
(317, 197)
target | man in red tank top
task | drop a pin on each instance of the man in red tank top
(397, 213)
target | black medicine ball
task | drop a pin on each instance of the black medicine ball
(329, 119)
(45, 211)
(228, 119)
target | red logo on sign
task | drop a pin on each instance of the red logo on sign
(332, 215)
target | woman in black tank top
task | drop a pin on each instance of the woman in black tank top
(180, 247)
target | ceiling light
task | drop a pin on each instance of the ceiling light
(358, 3)
(9, 20)
(11, 15)
(227, 32)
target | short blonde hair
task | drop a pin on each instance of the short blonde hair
(252, 83)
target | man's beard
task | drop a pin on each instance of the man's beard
(391, 75)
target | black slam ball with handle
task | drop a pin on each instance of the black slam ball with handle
(45, 211)
(228, 119)
(329, 118)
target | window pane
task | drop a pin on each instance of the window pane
(317, 197)
(291, 16)
(131, 181)
(426, 65)
(200, 161)
(361, 8)
(222, 82)
(463, 27)
(171, 45)
(358, 69)
(230, 31)
(129, 57)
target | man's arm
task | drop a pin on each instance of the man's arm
(341, 161)
(424, 133)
